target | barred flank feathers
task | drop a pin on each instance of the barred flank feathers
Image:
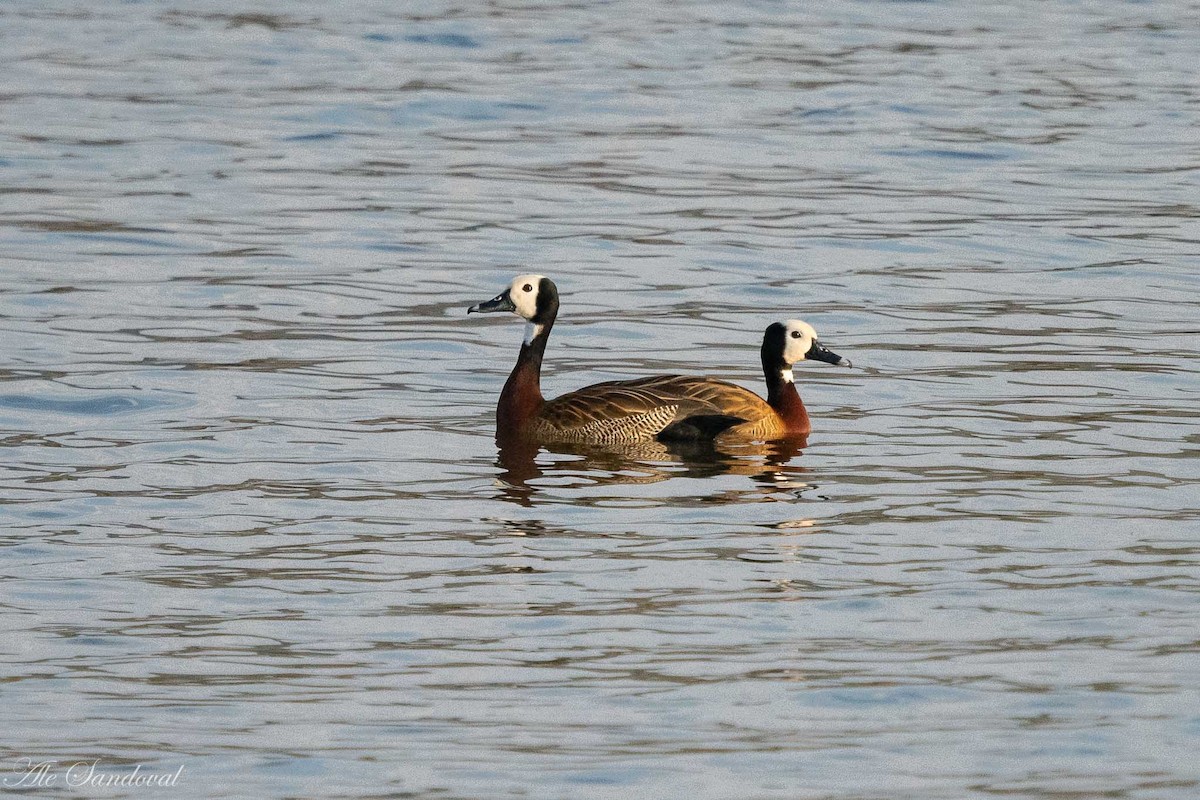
(639, 410)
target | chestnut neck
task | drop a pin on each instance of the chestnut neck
(782, 395)
(521, 398)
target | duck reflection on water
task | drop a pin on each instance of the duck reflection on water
(767, 464)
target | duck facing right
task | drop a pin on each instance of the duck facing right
(784, 344)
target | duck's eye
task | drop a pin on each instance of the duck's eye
(527, 287)
(795, 334)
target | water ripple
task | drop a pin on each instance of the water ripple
(250, 489)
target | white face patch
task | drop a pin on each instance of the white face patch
(798, 341)
(532, 331)
(524, 293)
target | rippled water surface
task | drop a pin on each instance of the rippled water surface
(255, 524)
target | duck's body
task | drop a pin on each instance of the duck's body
(664, 406)
(661, 407)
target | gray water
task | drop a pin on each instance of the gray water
(255, 523)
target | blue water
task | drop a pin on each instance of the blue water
(255, 521)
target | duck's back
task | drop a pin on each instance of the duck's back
(665, 406)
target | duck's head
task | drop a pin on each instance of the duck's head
(785, 343)
(533, 297)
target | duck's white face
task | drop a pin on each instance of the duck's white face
(798, 340)
(521, 298)
(800, 344)
(523, 292)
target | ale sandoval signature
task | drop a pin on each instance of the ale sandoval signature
(29, 774)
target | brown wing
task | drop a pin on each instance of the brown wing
(637, 410)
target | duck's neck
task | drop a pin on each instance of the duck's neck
(521, 399)
(783, 397)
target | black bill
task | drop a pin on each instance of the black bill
(818, 352)
(501, 302)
